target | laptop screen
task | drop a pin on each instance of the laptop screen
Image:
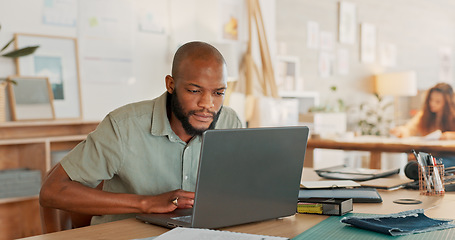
(244, 175)
(248, 175)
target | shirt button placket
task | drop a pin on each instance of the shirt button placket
(186, 167)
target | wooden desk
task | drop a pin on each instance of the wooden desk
(441, 207)
(377, 145)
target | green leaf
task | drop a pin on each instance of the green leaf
(21, 52)
(371, 112)
(388, 105)
(8, 80)
(7, 45)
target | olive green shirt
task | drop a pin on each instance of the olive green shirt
(134, 150)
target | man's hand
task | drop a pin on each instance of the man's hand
(167, 202)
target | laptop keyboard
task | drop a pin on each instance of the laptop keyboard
(183, 218)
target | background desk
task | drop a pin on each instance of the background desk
(441, 207)
(377, 145)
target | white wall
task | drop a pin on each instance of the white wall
(152, 53)
(418, 28)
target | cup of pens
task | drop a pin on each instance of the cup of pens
(431, 174)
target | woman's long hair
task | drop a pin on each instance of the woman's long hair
(428, 122)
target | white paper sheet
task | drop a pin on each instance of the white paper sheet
(329, 184)
(199, 234)
(60, 12)
(106, 40)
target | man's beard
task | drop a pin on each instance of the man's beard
(177, 109)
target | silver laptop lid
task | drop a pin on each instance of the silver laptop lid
(248, 175)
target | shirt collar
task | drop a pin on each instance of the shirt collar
(160, 121)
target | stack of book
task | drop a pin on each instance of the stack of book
(20, 182)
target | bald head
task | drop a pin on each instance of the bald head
(196, 89)
(194, 51)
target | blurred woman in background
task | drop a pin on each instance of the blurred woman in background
(438, 114)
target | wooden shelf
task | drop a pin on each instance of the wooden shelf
(18, 199)
(29, 145)
(16, 130)
(43, 139)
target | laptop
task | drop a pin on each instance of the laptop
(245, 175)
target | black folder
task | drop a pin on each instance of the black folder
(358, 195)
(356, 174)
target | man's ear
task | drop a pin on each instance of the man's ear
(170, 84)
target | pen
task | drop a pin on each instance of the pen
(437, 178)
(430, 172)
(415, 154)
(422, 168)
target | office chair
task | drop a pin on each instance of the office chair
(54, 220)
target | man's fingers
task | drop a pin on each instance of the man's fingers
(186, 194)
(183, 202)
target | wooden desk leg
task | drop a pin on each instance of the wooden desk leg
(309, 157)
(375, 160)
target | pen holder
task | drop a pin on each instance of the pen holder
(431, 180)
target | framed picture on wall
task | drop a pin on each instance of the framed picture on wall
(56, 59)
(347, 23)
(30, 98)
(229, 18)
(287, 73)
(367, 43)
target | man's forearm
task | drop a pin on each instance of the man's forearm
(59, 191)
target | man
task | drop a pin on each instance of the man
(146, 153)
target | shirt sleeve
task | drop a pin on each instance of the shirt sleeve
(98, 157)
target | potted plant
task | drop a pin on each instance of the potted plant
(16, 53)
(333, 104)
(375, 118)
(3, 81)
